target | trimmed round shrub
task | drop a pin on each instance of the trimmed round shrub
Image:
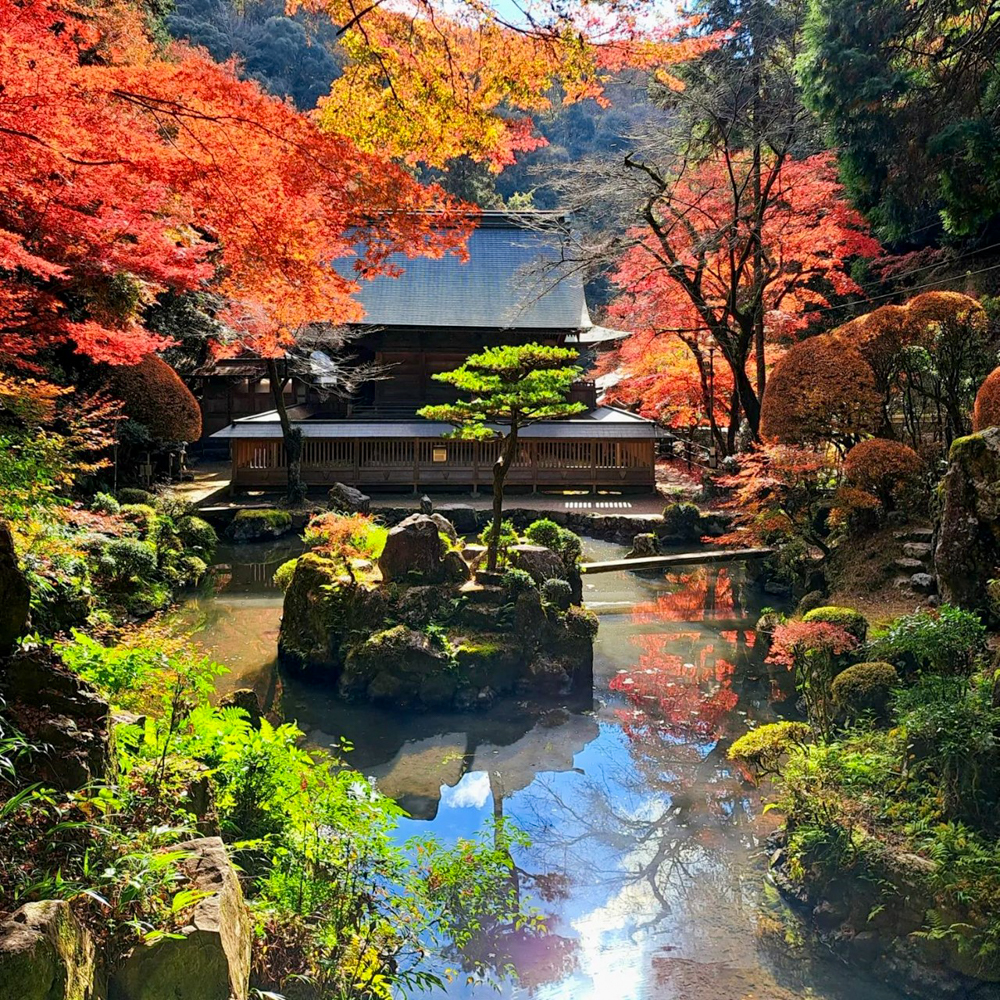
(131, 495)
(986, 412)
(762, 748)
(154, 396)
(105, 503)
(558, 593)
(516, 581)
(864, 689)
(123, 559)
(198, 534)
(889, 470)
(544, 532)
(851, 621)
(821, 390)
(140, 514)
(171, 506)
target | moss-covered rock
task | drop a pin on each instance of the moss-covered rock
(420, 550)
(851, 621)
(259, 525)
(968, 543)
(46, 954)
(393, 667)
(681, 522)
(324, 613)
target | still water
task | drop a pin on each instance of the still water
(647, 851)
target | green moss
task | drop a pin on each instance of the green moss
(251, 525)
(864, 688)
(581, 623)
(283, 574)
(851, 621)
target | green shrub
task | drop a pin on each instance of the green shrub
(140, 514)
(952, 728)
(546, 532)
(508, 537)
(130, 495)
(117, 671)
(851, 621)
(252, 525)
(105, 503)
(762, 748)
(864, 688)
(948, 640)
(558, 593)
(174, 507)
(516, 581)
(284, 573)
(197, 534)
(682, 520)
(125, 559)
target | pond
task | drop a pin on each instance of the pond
(648, 852)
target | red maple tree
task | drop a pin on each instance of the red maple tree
(689, 277)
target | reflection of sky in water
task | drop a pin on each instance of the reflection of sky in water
(646, 850)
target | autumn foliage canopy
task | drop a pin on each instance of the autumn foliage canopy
(987, 409)
(125, 171)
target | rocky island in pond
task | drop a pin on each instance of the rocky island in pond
(407, 617)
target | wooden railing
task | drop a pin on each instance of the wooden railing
(416, 462)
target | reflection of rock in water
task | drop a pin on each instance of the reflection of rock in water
(550, 745)
(421, 767)
(415, 775)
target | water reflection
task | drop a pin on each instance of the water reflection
(646, 852)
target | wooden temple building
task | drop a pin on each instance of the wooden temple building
(428, 320)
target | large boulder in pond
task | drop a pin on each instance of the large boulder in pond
(46, 954)
(209, 959)
(417, 549)
(258, 525)
(347, 500)
(968, 546)
(324, 611)
(14, 594)
(539, 562)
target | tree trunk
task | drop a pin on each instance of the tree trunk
(749, 402)
(291, 436)
(500, 469)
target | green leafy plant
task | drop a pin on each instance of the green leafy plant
(948, 640)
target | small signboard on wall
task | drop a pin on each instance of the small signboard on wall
(440, 453)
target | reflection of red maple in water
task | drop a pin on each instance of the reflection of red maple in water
(680, 680)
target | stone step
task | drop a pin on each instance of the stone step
(918, 550)
(910, 566)
(915, 535)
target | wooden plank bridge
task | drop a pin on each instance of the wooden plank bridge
(699, 557)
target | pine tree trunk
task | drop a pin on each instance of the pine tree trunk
(500, 469)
